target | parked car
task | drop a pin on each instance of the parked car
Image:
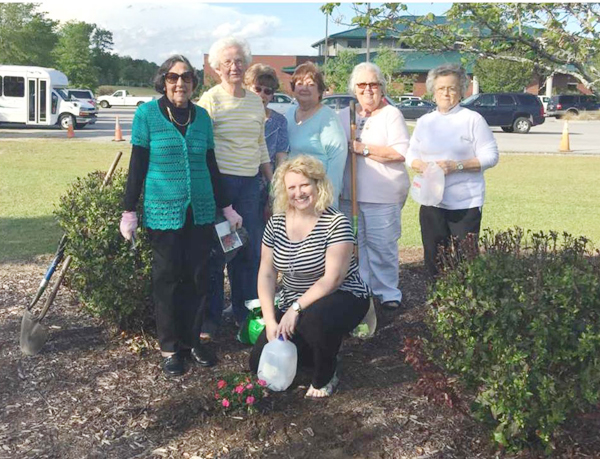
(339, 101)
(571, 104)
(413, 109)
(407, 97)
(544, 100)
(281, 103)
(513, 112)
(82, 94)
(122, 97)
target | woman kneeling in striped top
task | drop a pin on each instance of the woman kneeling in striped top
(323, 296)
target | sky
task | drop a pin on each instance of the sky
(154, 30)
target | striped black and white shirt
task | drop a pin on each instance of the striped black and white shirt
(302, 263)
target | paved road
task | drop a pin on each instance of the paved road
(584, 135)
(103, 130)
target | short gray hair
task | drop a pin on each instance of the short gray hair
(445, 70)
(228, 42)
(366, 66)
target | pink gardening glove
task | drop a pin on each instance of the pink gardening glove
(128, 224)
(234, 219)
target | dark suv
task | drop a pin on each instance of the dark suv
(513, 112)
(571, 104)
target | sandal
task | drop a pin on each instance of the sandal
(327, 390)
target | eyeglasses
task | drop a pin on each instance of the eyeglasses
(231, 62)
(172, 77)
(371, 85)
(267, 91)
(450, 89)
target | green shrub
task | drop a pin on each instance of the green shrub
(112, 280)
(520, 326)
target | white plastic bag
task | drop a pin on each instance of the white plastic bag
(428, 189)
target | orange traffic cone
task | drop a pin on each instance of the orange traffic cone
(118, 133)
(564, 140)
(70, 130)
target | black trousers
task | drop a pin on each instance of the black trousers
(180, 282)
(319, 333)
(440, 226)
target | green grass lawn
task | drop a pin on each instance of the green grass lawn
(537, 192)
(531, 191)
(33, 175)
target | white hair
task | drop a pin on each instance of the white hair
(228, 42)
(370, 67)
(445, 70)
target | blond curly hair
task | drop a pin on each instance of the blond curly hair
(311, 168)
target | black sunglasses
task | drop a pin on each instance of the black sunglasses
(267, 91)
(172, 77)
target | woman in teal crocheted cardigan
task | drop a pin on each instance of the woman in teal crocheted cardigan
(173, 160)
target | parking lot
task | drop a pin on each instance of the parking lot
(584, 135)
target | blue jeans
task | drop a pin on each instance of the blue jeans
(243, 268)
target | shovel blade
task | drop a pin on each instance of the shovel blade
(33, 335)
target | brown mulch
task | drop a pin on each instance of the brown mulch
(94, 393)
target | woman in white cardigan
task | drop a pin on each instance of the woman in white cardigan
(382, 182)
(462, 144)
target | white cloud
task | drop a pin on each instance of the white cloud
(154, 30)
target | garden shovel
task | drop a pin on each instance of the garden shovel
(33, 334)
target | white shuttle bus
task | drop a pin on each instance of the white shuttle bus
(36, 96)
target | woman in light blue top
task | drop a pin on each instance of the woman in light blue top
(315, 129)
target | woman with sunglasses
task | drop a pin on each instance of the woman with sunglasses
(381, 180)
(262, 80)
(173, 160)
(238, 119)
(314, 129)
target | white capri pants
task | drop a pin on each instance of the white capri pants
(379, 229)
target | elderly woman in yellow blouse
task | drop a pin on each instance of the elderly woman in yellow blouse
(238, 117)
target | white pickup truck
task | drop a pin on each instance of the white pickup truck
(122, 97)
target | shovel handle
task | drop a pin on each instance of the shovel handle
(111, 170)
(52, 295)
(353, 171)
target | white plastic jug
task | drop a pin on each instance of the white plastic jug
(278, 364)
(428, 189)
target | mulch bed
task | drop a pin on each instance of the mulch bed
(95, 393)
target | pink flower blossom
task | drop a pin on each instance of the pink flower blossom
(249, 386)
(221, 384)
(261, 382)
(239, 389)
(225, 402)
(217, 395)
(250, 400)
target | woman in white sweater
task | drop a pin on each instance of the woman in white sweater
(462, 144)
(382, 182)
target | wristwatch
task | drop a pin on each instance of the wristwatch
(366, 151)
(459, 166)
(296, 307)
